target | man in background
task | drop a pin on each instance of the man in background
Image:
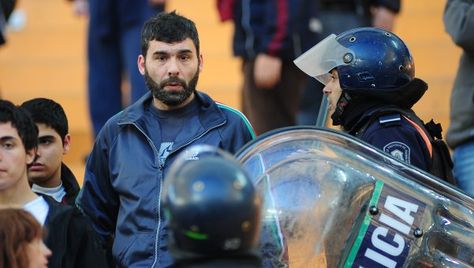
(113, 45)
(268, 36)
(70, 237)
(459, 24)
(48, 174)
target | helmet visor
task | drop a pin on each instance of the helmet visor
(319, 60)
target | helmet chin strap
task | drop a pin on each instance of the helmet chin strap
(340, 106)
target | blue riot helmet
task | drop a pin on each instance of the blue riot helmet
(211, 205)
(370, 62)
(379, 60)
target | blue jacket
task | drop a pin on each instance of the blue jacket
(123, 178)
(396, 135)
(282, 28)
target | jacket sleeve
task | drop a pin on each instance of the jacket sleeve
(237, 132)
(276, 16)
(97, 199)
(393, 5)
(459, 23)
(244, 134)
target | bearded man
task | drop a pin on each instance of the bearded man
(134, 150)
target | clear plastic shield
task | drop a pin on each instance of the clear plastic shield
(319, 60)
(332, 201)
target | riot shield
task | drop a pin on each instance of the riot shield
(333, 201)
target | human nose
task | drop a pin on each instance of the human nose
(326, 90)
(37, 154)
(173, 68)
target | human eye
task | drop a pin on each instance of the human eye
(8, 145)
(46, 140)
(161, 57)
(185, 57)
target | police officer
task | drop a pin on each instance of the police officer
(213, 211)
(369, 81)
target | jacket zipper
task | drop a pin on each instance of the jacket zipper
(155, 151)
(161, 168)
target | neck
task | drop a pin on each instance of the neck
(18, 195)
(355, 110)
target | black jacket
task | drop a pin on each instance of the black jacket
(71, 238)
(283, 28)
(70, 185)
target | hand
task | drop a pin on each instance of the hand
(267, 71)
(81, 7)
(383, 18)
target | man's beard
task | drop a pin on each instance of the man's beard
(173, 98)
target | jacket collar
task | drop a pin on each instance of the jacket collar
(209, 113)
(71, 186)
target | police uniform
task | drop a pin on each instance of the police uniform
(376, 74)
(395, 135)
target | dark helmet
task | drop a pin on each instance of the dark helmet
(369, 61)
(211, 204)
(377, 60)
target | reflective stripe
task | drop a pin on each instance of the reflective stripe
(389, 119)
(423, 135)
(241, 115)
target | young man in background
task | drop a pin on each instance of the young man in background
(48, 174)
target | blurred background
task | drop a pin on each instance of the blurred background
(45, 56)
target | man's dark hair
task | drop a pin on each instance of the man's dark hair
(48, 112)
(168, 28)
(21, 120)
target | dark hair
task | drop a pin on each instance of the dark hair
(169, 28)
(18, 228)
(48, 112)
(21, 120)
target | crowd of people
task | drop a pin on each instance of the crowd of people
(135, 207)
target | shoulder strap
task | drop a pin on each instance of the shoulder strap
(423, 133)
